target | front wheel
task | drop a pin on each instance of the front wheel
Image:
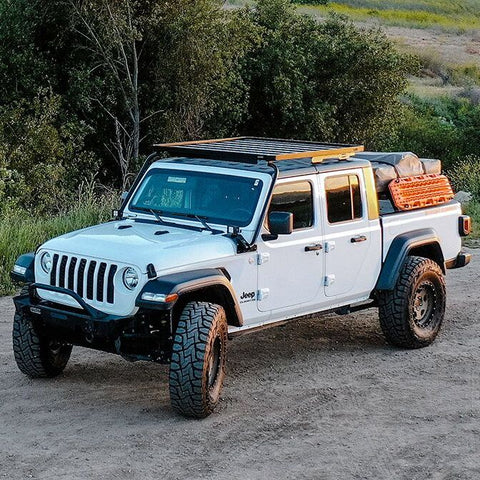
(412, 313)
(197, 368)
(37, 356)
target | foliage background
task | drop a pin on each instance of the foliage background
(87, 86)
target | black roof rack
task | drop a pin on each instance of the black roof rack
(255, 149)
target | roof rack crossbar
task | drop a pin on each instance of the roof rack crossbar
(257, 149)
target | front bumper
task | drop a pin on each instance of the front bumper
(88, 327)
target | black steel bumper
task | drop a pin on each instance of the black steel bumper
(144, 336)
(84, 326)
(461, 260)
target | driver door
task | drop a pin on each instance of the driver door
(290, 267)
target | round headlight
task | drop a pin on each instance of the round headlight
(130, 278)
(46, 262)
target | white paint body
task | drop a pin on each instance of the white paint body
(278, 281)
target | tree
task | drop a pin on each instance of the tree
(194, 68)
(124, 75)
(115, 42)
(37, 145)
(161, 70)
(23, 67)
(329, 81)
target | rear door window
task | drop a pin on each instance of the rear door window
(344, 201)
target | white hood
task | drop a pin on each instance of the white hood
(139, 243)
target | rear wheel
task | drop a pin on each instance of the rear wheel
(411, 314)
(37, 356)
(197, 368)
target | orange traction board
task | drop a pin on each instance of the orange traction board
(420, 191)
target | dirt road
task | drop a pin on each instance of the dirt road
(316, 399)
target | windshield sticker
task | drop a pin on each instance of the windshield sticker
(177, 179)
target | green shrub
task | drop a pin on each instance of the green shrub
(440, 127)
(42, 155)
(473, 209)
(465, 175)
(329, 80)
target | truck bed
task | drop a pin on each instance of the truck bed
(443, 219)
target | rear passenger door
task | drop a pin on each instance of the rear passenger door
(352, 239)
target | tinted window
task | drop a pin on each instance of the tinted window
(344, 202)
(223, 199)
(296, 198)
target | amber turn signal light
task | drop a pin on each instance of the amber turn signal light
(464, 225)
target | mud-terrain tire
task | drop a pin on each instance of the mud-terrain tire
(37, 356)
(197, 368)
(411, 314)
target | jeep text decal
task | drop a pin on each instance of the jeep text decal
(247, 297)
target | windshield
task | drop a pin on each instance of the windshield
(222, 199)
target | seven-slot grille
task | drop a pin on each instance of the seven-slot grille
(91, 279)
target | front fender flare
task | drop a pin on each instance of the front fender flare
(23, 270)
(185, 283)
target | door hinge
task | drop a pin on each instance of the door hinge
(329, 247)
(329, 279)
(263, 258)
(262, 294)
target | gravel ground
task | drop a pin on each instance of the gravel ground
(320, 398)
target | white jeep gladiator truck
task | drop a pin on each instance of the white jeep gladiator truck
(228, 237)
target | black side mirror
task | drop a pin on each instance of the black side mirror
(281, 223)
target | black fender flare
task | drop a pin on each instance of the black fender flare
(184, 284)
(401, 247)
(25, 261)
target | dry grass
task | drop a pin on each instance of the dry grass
(443, 15)
(411, 17)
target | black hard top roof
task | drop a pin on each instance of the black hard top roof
(287, 168)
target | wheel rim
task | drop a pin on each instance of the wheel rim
(214, 362)
(55, 347)
(58, 353)
(424, 305)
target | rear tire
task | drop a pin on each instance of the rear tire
(411, 314)
(37, 356)
(197, 368)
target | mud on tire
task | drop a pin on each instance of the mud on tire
(37, 356)
(197, 368)
(412, 313)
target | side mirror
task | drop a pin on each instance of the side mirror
(281, 223)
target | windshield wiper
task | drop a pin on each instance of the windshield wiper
(157, 216)
(198, 218)
(204, 223)
(202, 220)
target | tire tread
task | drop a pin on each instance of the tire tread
(187, 383)
(31, 351)
(393, 305)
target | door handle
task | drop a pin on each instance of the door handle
(313, 248)
(358, 239)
